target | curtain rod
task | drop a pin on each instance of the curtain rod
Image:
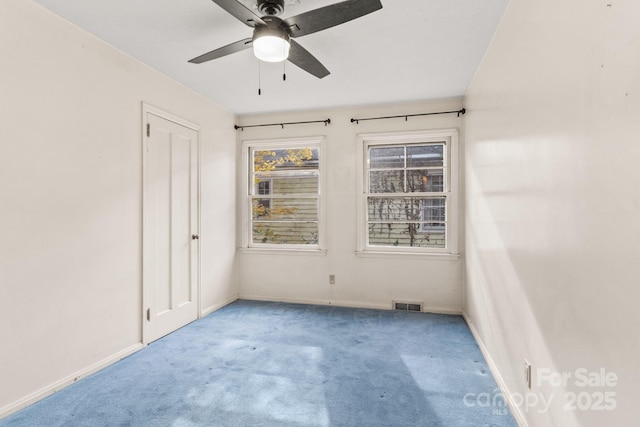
(406, 116)
(326, 122)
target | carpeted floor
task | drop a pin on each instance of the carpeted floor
(275, 364)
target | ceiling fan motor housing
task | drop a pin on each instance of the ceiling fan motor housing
(273, 28)
(271, 7)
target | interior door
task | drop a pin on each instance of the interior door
(171, 241)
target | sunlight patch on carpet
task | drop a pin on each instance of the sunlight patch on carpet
(278, 382)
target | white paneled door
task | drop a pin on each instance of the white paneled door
(171, 240)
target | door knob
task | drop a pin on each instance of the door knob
(195, 236)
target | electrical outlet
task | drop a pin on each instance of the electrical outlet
(332, 279)
(527, 373)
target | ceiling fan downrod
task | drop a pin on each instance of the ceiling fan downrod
(271, 7)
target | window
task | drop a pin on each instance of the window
(408, 193)
(283, 194)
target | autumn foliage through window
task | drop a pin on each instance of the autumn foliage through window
(283, 193)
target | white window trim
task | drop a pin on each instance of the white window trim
(450, 251)
(247, 245)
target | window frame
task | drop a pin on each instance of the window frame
(250, 146)
(451, 170)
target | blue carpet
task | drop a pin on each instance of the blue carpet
(275, 364)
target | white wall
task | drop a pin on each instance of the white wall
(70, 194)
(553, 207)
(360, 281)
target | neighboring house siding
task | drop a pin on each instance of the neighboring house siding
(296, 185)
(399, 235)
(289, 233)
(303, 211)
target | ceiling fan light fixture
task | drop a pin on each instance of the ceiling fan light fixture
(271, 48)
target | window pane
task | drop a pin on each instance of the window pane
(292, 209)
(293, 233)
(431, 155)
(386, 181)
(261, 208)
(406, 209)
(285, 159)
(394, 209)
(406, 235)
(289, 184)
(433, 234)
(425, 180)
(386, 157)
(433, 210)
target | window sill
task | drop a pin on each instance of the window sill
(409, 255)
(287, 251)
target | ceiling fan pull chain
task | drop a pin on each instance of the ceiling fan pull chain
(284, 66)
(259, 78)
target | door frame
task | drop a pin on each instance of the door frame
(145, 291)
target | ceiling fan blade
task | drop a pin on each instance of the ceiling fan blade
(238, 10)
(223, 51)
(303, 59)
(329, 16)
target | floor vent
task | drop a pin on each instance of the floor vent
(407, 306)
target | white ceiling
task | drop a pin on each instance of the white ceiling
(409, 50)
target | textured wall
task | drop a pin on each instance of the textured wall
(553, 208)
(71, 199)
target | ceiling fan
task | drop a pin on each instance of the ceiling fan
(272, 36)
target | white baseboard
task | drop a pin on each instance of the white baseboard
(515, 409)
(59, 385)
(441, 310)
(344, 303)
(352, 304)
(207, 311)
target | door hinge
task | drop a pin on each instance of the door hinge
(148, 315)
(148, 129)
